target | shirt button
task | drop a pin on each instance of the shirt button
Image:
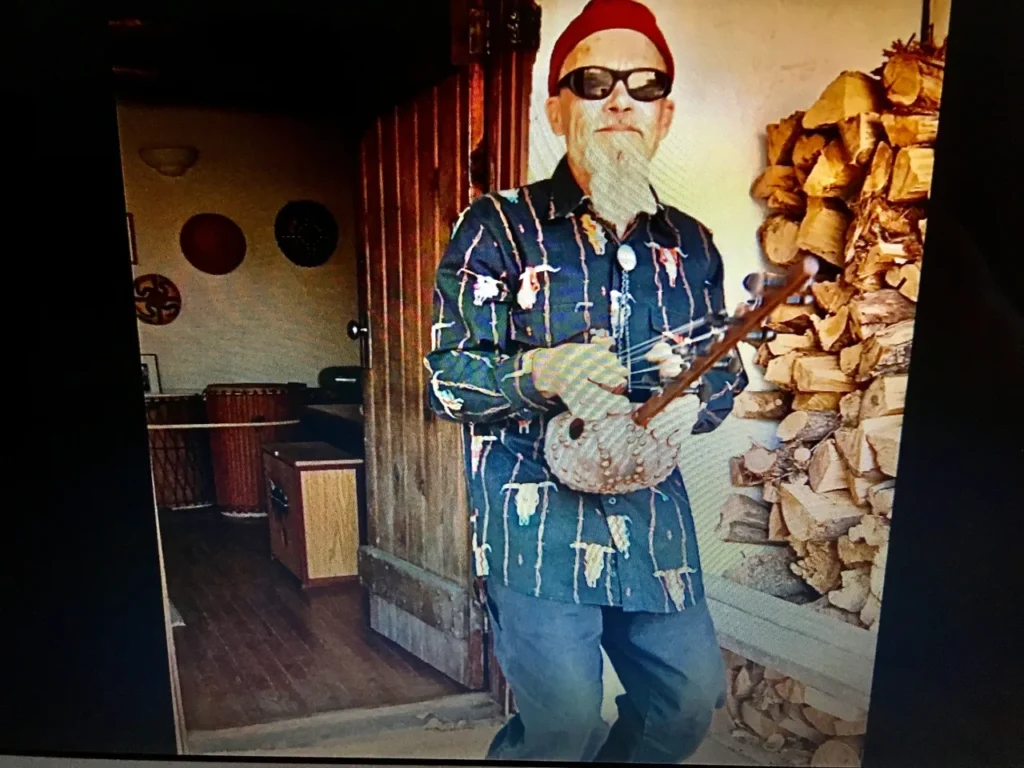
(626, 257)
(629, 592)
(612, 501)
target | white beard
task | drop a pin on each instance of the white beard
(619, 178)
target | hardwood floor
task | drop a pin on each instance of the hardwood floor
(255, 648)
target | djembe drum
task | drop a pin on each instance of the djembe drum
(242, 417)
(179, 451)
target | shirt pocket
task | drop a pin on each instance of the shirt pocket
(550, 326)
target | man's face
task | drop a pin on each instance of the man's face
(618, 125)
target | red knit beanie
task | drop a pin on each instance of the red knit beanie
(599, 15)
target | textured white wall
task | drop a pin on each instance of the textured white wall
(740, 65)
(269, 320)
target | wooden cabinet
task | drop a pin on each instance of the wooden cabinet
(313, 510)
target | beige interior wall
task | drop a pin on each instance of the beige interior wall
(269, 320)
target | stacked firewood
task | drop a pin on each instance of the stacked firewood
(798, 724)
(848, 181)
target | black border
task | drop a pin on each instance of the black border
(86, 670)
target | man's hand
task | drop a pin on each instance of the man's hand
(584, 376)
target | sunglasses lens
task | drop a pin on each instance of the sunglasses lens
(594, 83)
(647, 84)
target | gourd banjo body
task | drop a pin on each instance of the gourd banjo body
(625, 453)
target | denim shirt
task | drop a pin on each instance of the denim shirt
(536, 267)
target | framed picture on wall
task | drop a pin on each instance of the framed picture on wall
(151, 375)
(130, 218)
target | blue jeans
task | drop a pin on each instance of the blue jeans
(670, 667)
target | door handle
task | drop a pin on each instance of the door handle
(360, 332)
(356, 329)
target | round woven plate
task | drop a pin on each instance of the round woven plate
(306, 233)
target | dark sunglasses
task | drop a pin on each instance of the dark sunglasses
(595, 83)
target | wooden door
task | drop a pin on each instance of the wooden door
(421, 163)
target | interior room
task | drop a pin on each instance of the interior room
(284, 230)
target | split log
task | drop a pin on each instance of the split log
(911, 175)
(855, 450)
(791, 690)
(872, 530)
(849, 358)
(807, 426)
(896, 221)
(849, 94)
(822, 721)
(870, 612)
(854, 593)
(816, 401)
(811, 516)
(770, 493)
(878, 309)
(855, 552)
(769, 572)
(772, 178)
(832, 175)
(906, 279)
(777, 235)
(787, 318)
(880, 497)
(807, 149)
(821, 567)
(887, 351)
(787, 342)
(777, 530)
(849, 407)
(780, 369)
(829, 704)
(757, 722)
(823, 229)
(746, 680)
(881, 257)
(878, 570)
(911, 82)
(877, 180)
(910, 130)
(826, 471)
(883, 435)
(860, 135)
(739, 476)
(763, 356)
(802, 548)
(836, 754)
(743, 520)
(758, 460)
(771, 405)
(831, 330)
(886, 396)
(795, 723)
(787, 203)
(820, 373)
(832, 296)
(859, 485)
(780, 138)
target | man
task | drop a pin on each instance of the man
(536, 289)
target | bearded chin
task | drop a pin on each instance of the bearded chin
(619, 173)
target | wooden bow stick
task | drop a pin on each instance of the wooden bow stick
(795, 281)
